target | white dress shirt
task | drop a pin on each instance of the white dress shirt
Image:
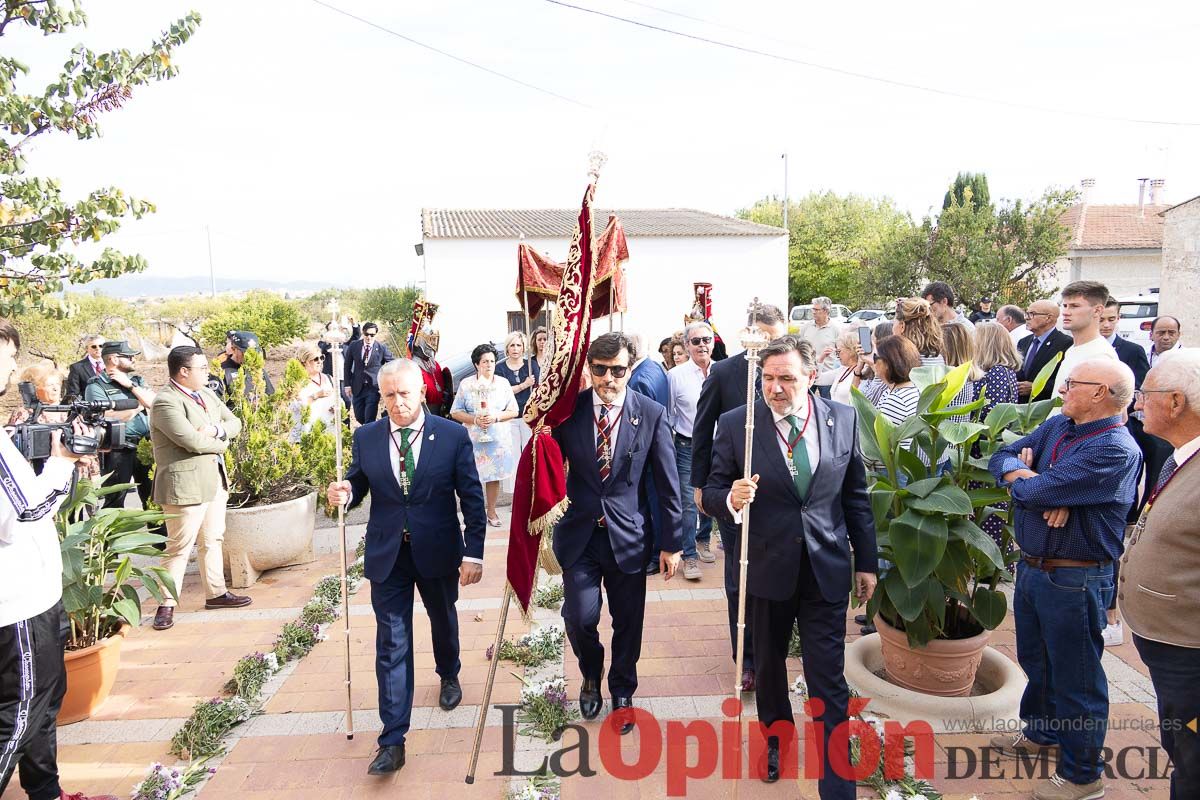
(812, 442)
(30, 559)
(1018, 333)
(1186, 451)
(685, 383)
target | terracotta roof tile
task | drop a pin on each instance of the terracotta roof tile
(501, 223)
(1096, 227)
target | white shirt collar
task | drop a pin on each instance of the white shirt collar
(1110, 339)
(416, 425)
(618, 403)
(799, 412)
(1185, 451)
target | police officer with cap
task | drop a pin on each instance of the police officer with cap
(117, 382)
(237, 344)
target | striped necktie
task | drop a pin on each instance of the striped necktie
(603, 447)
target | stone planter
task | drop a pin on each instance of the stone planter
(260, 538)
(944, 667)
(90, 676)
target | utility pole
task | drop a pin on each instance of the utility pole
(212, 276)
(785, 195)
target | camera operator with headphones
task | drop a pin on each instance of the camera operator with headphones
(33, 625)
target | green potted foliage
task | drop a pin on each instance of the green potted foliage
(940, 597)
(275, 475)
(99, 591)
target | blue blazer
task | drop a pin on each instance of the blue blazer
(650, 379)
(356, 372)
(445, 468)
(643, 446)
(784, 528)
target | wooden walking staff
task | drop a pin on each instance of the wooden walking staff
(335, 335)
(752, 341)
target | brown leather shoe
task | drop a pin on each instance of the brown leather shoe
(748, 683)
(164, 618)
(228, 600)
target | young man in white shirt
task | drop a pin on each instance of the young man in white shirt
(33, 623)
(1082, 305)
(684, 384)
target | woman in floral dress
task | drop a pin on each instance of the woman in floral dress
(485, 404)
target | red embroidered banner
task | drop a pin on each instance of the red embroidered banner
(540, 493)
(539, 277)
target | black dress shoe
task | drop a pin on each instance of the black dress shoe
(622, 714)
(770, 772)
(389, 759)
(590, 701)
(860, 619)
(451, 694)
(652, 568)
(748, 682)
(867, 630)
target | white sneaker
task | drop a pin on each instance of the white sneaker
(1114, 634)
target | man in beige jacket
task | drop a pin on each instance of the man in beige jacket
(1159, 588)
(191, 429)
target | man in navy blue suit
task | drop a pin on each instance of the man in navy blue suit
(649, 378)
(363, 358)
(810, 507)
(613, 439)
(414, 465)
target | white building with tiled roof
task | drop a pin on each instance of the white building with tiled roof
(471, 264)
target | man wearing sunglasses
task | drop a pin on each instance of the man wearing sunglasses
(86, 368)
(611, 442)
(364, 357)
(684, 384)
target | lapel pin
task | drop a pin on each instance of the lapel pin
(633, 421)
(430, 439)
(829, 421)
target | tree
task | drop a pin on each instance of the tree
(833, 241)
(39, 229)
(60, 340)
(977, 183)
(391, 306)
(272, 319)
(188, 314)
(1006, 252)
(316, 305)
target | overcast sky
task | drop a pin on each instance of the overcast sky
(308, 142)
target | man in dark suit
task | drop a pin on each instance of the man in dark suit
(415, 465)
(1044, 342)
(363, 359)
(725, 390)
(649, 378)
(613, 439)
(86, 368)
(810, 507)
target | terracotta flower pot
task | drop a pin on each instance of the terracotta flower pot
(944, 667)
(90, 675)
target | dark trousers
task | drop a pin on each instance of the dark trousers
(392, 601)
(1175, 672)
(822, 627)
(731, 540)
(33, 681)
(581, 614)
(366, 405)
(1060, 618)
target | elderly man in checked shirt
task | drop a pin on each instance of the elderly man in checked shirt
(1072, 482)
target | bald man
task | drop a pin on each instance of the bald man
(1072, 482)
(1037, 350)
(416, 466)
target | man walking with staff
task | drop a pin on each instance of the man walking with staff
(415, 466)
(810, 508)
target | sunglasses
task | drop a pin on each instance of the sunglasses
(699, 340)
(317, 358)
(600, 370)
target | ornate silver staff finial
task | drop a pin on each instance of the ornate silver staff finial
(596, 160)
(335, 332)
(752, 338)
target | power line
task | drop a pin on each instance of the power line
(449, 55)
(866, 76)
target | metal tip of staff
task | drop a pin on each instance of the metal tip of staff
(470, 779)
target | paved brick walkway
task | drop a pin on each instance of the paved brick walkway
(297, 747)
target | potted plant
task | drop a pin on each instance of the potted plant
(99, 594)
(275, 474)
(940, 597)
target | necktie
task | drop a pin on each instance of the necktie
(1034, 346)
(196, 396)
(408, 466)
(1167, 470)
(96, 366)
(603, 448)
(803, 470)
(366, 354)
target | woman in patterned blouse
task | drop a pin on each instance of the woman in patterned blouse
(996, 356)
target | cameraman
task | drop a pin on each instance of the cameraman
(33, 625)
(117, 382)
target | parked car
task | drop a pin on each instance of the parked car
(1137, 317)
(870, 317)
(802, 314)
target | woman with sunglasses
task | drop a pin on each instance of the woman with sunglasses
(485, 404)
(316, 394)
